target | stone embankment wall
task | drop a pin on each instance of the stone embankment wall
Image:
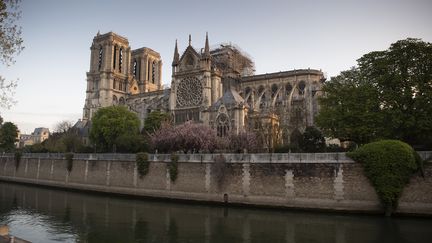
(328, 181)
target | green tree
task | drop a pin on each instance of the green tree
(8, 136)
(312, 140)
(109, 124)
(350, 109)
(154, 120)
(11, 44)
(389, 95)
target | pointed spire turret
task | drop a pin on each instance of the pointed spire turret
(176, 55)
(190, 40)
(207, 47)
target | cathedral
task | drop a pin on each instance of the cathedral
(217, 87)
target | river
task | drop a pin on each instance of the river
(47, 215)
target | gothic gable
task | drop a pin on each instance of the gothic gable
(189, 60)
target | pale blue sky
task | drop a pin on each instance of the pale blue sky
(278, 35)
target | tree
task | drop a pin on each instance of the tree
(154, 120)
(8, 136)
(389, 95)
(11, 44)
(244, 141)
(312, 140)
(63, 127)
(109, 123)
(188, 136)
(350, 109)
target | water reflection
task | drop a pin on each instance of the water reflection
(45, 215)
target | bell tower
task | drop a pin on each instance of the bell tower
(109, 74)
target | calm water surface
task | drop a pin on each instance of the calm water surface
(46, 215)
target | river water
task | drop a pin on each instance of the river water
(47, 215)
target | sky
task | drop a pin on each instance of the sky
(278, 35)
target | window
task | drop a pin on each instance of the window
(153, 71)
(114, 84)
(115, 100)
(301, 87)
(288, 89)
(274, 89)
(222, 122)
(135, 68)
(121, 101)
(115, 57)
(100, 58)
(120, 59)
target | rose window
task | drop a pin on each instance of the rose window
(189, 92)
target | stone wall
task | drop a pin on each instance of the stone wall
(311, 181)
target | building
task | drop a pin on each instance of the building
(216, 86)
(39, 135)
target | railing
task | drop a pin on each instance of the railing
(209, 158)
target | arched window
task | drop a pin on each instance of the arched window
(114, 84)
(247, 91)
(120, 59)
(100, 58)
(223, 127)
(288, 89)
(153, 71)
(120, 85)
(274, 89)
(115, 100)
(135, 68)
(121, 101)
(115, 57)
(301, 87)
(260, 89)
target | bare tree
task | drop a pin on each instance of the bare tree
(63, 127)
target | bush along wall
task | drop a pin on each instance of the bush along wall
(69, 161)
(388, 164)
(142, 163)
(172, 167)
(17, 158)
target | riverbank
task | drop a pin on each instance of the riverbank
(329, 182)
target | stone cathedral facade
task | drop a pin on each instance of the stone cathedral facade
(216, 87)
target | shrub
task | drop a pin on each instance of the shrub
(172, 167)
(389, 165)
(312, 140)
(17, 157)
(69, 161)
(142, 164)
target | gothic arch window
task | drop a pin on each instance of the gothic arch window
(115, 100)
(135, 68)
(189, 60)
(115, 57)
(260, 89)
(274, 89)
(114, 84)
(301, 87)
(247, 91)
(100, 58)
(120, 59)
(288, 88)
(263, 101)
(120, 85)
(153, 71)
(121, 101)
(222, 124)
